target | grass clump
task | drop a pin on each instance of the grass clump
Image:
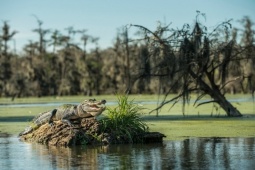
(124, 122)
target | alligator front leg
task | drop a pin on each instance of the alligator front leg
(52, 114)
(67, 117)
(67, 121)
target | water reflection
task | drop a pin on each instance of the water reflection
(197, 153)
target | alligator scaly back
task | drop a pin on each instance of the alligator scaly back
(42, 118)
(66, 113)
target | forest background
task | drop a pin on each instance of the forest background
(57, 64)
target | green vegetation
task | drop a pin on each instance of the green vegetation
(204, 127)
(124, 121)
(198, 122)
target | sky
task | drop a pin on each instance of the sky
(102, 18)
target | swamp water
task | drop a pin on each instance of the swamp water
(193, 153)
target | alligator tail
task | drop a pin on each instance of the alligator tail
(26, 131)
(40, 119)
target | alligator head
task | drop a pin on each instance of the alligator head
(91, 107)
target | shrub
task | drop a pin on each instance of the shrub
(124, 122)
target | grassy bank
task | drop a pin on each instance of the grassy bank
(205, 121)
(204, 127)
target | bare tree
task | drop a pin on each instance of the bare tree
(123, 50)
(55, 40)
(42, 33)
(247, 41)
(6, 36)
(190, 58)
(5, 58)
(84, 38)
(94, 65)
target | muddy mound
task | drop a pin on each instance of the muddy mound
(85, 132)
(62, 134)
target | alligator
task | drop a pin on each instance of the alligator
(67, 112)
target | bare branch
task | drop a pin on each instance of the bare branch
(207, 102)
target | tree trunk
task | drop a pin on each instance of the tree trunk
(214, 92)
(219, 98)
(225, 105)
(127, 63)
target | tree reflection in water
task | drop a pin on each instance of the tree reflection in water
(193, 153)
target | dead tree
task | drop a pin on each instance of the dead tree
(189, 58)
